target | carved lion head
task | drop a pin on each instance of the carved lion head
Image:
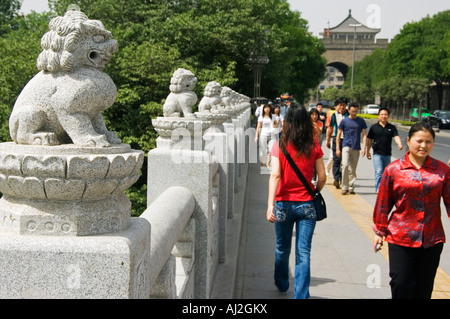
(212, 88)
(75, 41)
(182, 80)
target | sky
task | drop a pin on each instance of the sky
(389, 15)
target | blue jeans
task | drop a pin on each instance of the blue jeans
(379, 163)
(303, 215)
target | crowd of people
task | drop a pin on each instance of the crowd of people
(407, 213)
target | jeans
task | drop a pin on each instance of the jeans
(303, 215)
(337, 174)
(379, 163)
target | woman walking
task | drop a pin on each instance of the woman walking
(413, 184)
(289, 202)
(264, 134)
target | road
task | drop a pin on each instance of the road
(441, 150)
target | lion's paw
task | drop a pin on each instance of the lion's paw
(112, 137)
(44, 138)
(98, 141)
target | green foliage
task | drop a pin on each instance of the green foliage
(331, 94)
(8, 14)
(212, 38)
(20, 49)
(417, 56)
(215, 38)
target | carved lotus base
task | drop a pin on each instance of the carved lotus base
(66, 190)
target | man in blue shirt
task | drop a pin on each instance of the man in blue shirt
(352, 127)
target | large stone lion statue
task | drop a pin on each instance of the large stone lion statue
(62, 103)
(211, 101)
(182, 96)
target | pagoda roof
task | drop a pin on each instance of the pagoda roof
(344, 26)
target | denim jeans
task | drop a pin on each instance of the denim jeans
(379, 164)
(337, 173)
(303, 215)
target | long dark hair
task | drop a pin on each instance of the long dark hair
(298, 130)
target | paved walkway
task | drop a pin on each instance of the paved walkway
(343, 264)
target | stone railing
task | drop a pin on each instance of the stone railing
(172, 244)
(201, 157)
(65, 224)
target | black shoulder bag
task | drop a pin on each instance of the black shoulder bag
(321, 207)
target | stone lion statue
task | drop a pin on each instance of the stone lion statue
(182, 96)
(227, 97)
(62, 103)
(211, 101)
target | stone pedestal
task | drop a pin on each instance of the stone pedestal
(66, 190)
(55, 199)
(72, 267)
(180, 160)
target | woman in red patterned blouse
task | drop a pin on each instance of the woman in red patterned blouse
(413, 184)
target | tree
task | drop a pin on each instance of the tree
(218, 36)
(370, 70)
(360, 93)
(20, 49)
(419, 49)
(212, 38)
(331, 94)
(8, 12)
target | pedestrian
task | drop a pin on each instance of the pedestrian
(335, 120)
(283, 107)
(317, 127)
(323, 119)
(275, 130)
(317, 124)
(380, 139)
(277, 121)
(289, 202)
(352, 127)
(264, 134)
(413, 184)
(329, 163)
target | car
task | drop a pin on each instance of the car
(440, 119)
(415, 114)
(372, 109)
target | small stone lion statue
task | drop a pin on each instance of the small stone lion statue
(62, 103)
(182, 96)
(211, 101)
(227, 97)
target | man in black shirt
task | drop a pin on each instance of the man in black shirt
(380, 139)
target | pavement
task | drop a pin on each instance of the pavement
(343, 264)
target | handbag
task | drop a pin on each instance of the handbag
(321, 207)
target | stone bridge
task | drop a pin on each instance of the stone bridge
(197, 176)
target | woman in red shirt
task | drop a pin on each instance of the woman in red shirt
(413, 184)
(289, 203)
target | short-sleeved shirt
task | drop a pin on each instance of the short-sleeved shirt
(335, 121)
(352, 129)
(382, 138)
(266, 125)
(290, 187)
